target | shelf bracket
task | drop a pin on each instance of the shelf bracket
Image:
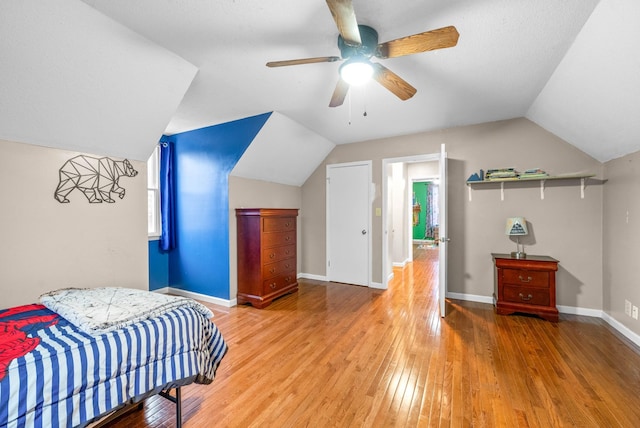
(541, 190)
(469, 187)
(582, 188)
(502, 191)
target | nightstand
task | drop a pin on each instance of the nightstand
(525, 285)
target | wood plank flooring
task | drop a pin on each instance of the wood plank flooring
(336, 355)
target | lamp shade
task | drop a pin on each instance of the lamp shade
(516, 226)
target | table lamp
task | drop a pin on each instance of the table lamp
(517, 226)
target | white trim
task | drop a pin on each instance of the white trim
(573, 310)
(400, 264)
(470, 297)
(312, 276)
(377, 285)
(198, 296)
(621, 328)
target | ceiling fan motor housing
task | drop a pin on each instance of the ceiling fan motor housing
(367, 49)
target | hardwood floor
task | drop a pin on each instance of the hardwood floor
(336, 355)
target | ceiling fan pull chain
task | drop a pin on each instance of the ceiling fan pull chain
(364, 96)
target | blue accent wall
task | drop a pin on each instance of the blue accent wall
(204, 158)
(158, 266)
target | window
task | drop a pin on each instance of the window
(153, 193)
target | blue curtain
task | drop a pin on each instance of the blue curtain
(167, 197)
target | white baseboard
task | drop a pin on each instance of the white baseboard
(312, 276)
(572, 310)
(198, 296)
(471, 297)
(401, 264)
(377, 285)
(621, 328)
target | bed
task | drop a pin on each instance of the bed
(62, 368)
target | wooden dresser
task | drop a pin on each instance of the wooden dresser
(266, 254)
(526, 285)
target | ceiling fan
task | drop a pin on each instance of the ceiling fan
(358, 43)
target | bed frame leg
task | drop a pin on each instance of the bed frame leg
(178, 408)
(177, 400)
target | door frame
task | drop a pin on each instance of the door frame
(387, 274)
(370, 192)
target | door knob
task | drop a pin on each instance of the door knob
(364, 232)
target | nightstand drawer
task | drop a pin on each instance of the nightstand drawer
(529, 296)
(527, 278)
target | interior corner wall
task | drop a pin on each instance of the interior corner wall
(48, 245)
(249, 193)
(620, 238)
(203, 160)
(476, 227)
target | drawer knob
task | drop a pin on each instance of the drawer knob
(287, 238)
(529, 297)
(272, 270)
(287, 224)
(272, 285)
(272, 255)
(523, 280)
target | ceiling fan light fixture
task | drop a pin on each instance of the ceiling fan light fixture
(356, 71)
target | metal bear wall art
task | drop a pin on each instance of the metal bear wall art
(96, 178)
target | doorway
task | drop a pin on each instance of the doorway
(397, 216)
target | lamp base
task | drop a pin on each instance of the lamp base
(518, 255)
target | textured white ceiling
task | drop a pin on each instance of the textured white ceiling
(283, 151)
(514, 58)
(593, 98)
(73, 78)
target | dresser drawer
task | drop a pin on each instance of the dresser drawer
(281, 281)
(279, 224)
(274, 239)
(529, 296)
(270, 255)
(527, 278)
(272, 269)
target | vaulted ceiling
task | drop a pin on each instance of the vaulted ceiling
(569, 65)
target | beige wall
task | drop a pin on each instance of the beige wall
(247, 193)
(563, 225)
(48, 245)
(620, 238)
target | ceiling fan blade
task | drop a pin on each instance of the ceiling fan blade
(429, 40)
(303, 61)
(339, 93)
(393, 82)
(345, 17)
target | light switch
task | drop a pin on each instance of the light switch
(378, 212)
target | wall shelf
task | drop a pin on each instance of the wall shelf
(515, 182)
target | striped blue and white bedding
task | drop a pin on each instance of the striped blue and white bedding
(70, 377)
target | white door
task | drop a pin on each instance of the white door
(348, 222)
(444, 241)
